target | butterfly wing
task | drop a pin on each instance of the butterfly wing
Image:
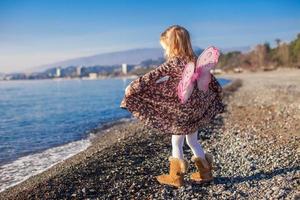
(203, 81)
(206, 61)
(186, 85)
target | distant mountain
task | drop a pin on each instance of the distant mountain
(132, 56)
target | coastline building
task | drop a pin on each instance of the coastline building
(2, 76)
(78, 70)
(124, 68)
(57, 72)
(93, 75)
(8, 77)
(137, 67)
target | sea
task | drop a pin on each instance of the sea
(43, 122)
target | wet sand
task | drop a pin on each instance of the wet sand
(255, 143)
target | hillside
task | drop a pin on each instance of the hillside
(132, 56)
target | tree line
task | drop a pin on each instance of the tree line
(263, 56)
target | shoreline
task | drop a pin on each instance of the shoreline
(125, 140)
(57, 154)
(16, 171)
(107, 136)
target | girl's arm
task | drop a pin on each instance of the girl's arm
(138, 84)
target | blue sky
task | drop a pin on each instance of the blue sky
(36, 32)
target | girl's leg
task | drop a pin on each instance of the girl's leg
(192, 141)
(177, 146)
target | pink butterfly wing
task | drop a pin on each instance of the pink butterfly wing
(209, 55)
(203, 82)
(186, 85)
(206, 61)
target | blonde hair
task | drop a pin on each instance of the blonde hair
(176, 41)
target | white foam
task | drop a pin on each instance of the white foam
(27, 166)
(24, 167)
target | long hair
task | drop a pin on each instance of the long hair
(176, 41)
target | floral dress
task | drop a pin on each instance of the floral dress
(154, 100)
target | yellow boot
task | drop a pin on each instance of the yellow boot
(177, 169)
(204, 169)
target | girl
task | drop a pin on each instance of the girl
(152, 98)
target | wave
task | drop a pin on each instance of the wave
(24, 167)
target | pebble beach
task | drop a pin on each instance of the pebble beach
(255, 144)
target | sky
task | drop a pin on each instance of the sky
(37, 32)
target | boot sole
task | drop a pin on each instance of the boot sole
(165, 183)
(177, 186)
(202, 181)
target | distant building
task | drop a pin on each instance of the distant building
(117, 70)
(124, 68)
(93, 75)
(8, 77)
(137, 67)
(78, 71)
(58, 72)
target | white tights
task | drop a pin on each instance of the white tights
(191, 140)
